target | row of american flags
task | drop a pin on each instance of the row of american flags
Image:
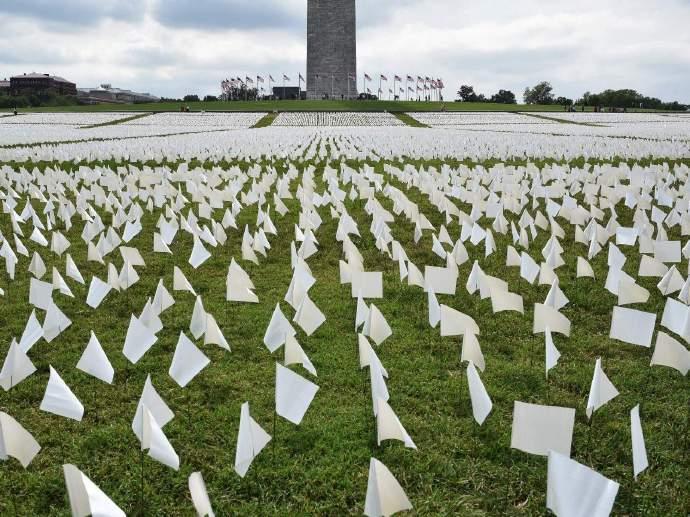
(433, 87)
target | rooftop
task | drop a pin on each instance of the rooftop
(34, 75)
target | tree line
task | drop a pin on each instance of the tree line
(542, 93)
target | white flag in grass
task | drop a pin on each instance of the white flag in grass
(16, 368)
(632, 326)
(539, 429)
(670, 352)
(32, 333)
(601, 391)
(385, 496)
(388, 426)
(138, 340)
(251, 439)
(278, 328)
(187, 361)
(376, 327)
(60, 400)
(552, 353)
(481, 402)
(200, 499)
(639, 450)
(293, 394)
(180, 282)
(157, 443)
(86, 498)
(94, 361)
(153, 401)
(574, 490)
(17, 442)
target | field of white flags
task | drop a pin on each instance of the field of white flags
(487, 316)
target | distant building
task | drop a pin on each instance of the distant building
(27, 84)
(288, 93)
(5, 86)
(106, 94)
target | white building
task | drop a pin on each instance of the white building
(106, 94)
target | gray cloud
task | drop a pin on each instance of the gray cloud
(79, 12)
(229, 14)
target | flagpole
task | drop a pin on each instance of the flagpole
(284, 87)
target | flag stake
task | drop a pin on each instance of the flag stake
(274, 436)
(141, 491)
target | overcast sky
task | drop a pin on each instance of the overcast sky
(174, 47)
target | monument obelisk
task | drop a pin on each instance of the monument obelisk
(331, 49)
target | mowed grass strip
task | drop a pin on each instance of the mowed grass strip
(321, 467)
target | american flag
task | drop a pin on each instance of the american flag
(301, 78)
(259, 79)
(270, 78)
(398, 78)
(249, 80)
(439, 83)
(285, 78)
(410, 78)
(366, 77)
(384, 78)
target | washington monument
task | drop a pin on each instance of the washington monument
(331, 49)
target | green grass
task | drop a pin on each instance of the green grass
(118, 121)
(320, 467)
(267, 120)
(307, 105)
(409, 120)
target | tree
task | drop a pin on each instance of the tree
(564, 101)
(191, 98)
(540, 94)
(504, 97)
(466, 93)
(210, 98)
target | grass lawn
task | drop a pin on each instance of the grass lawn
(321, 467)
(307, 105)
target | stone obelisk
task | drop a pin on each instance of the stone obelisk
(331, 49)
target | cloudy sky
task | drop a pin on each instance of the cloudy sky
(174, 47)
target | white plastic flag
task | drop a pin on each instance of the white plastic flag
(455, 323)
(199, 254)
(17, 442)
(388, 426)
(376, 327)
(213, 334)
(197, 325)
(278, 328)
(471, 351)
(32, 333)
(539, 429)
(94, 361)
(98, 290)
(632, 326)
(153, 401)
(293, 394)
(385, 496)
(481, 402)
(251, 439)
(157, 443)
(308, 316)
(187, 361)
(16, 368)
(55, 323)
(601, 391)
(60, 400)
(86, 498)
(200, 499)
(138, 340)
(180, 282)
(434, 309)
(574, 490)
(639, 450)
(294, 354)
(669, 352)
(552, 353)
